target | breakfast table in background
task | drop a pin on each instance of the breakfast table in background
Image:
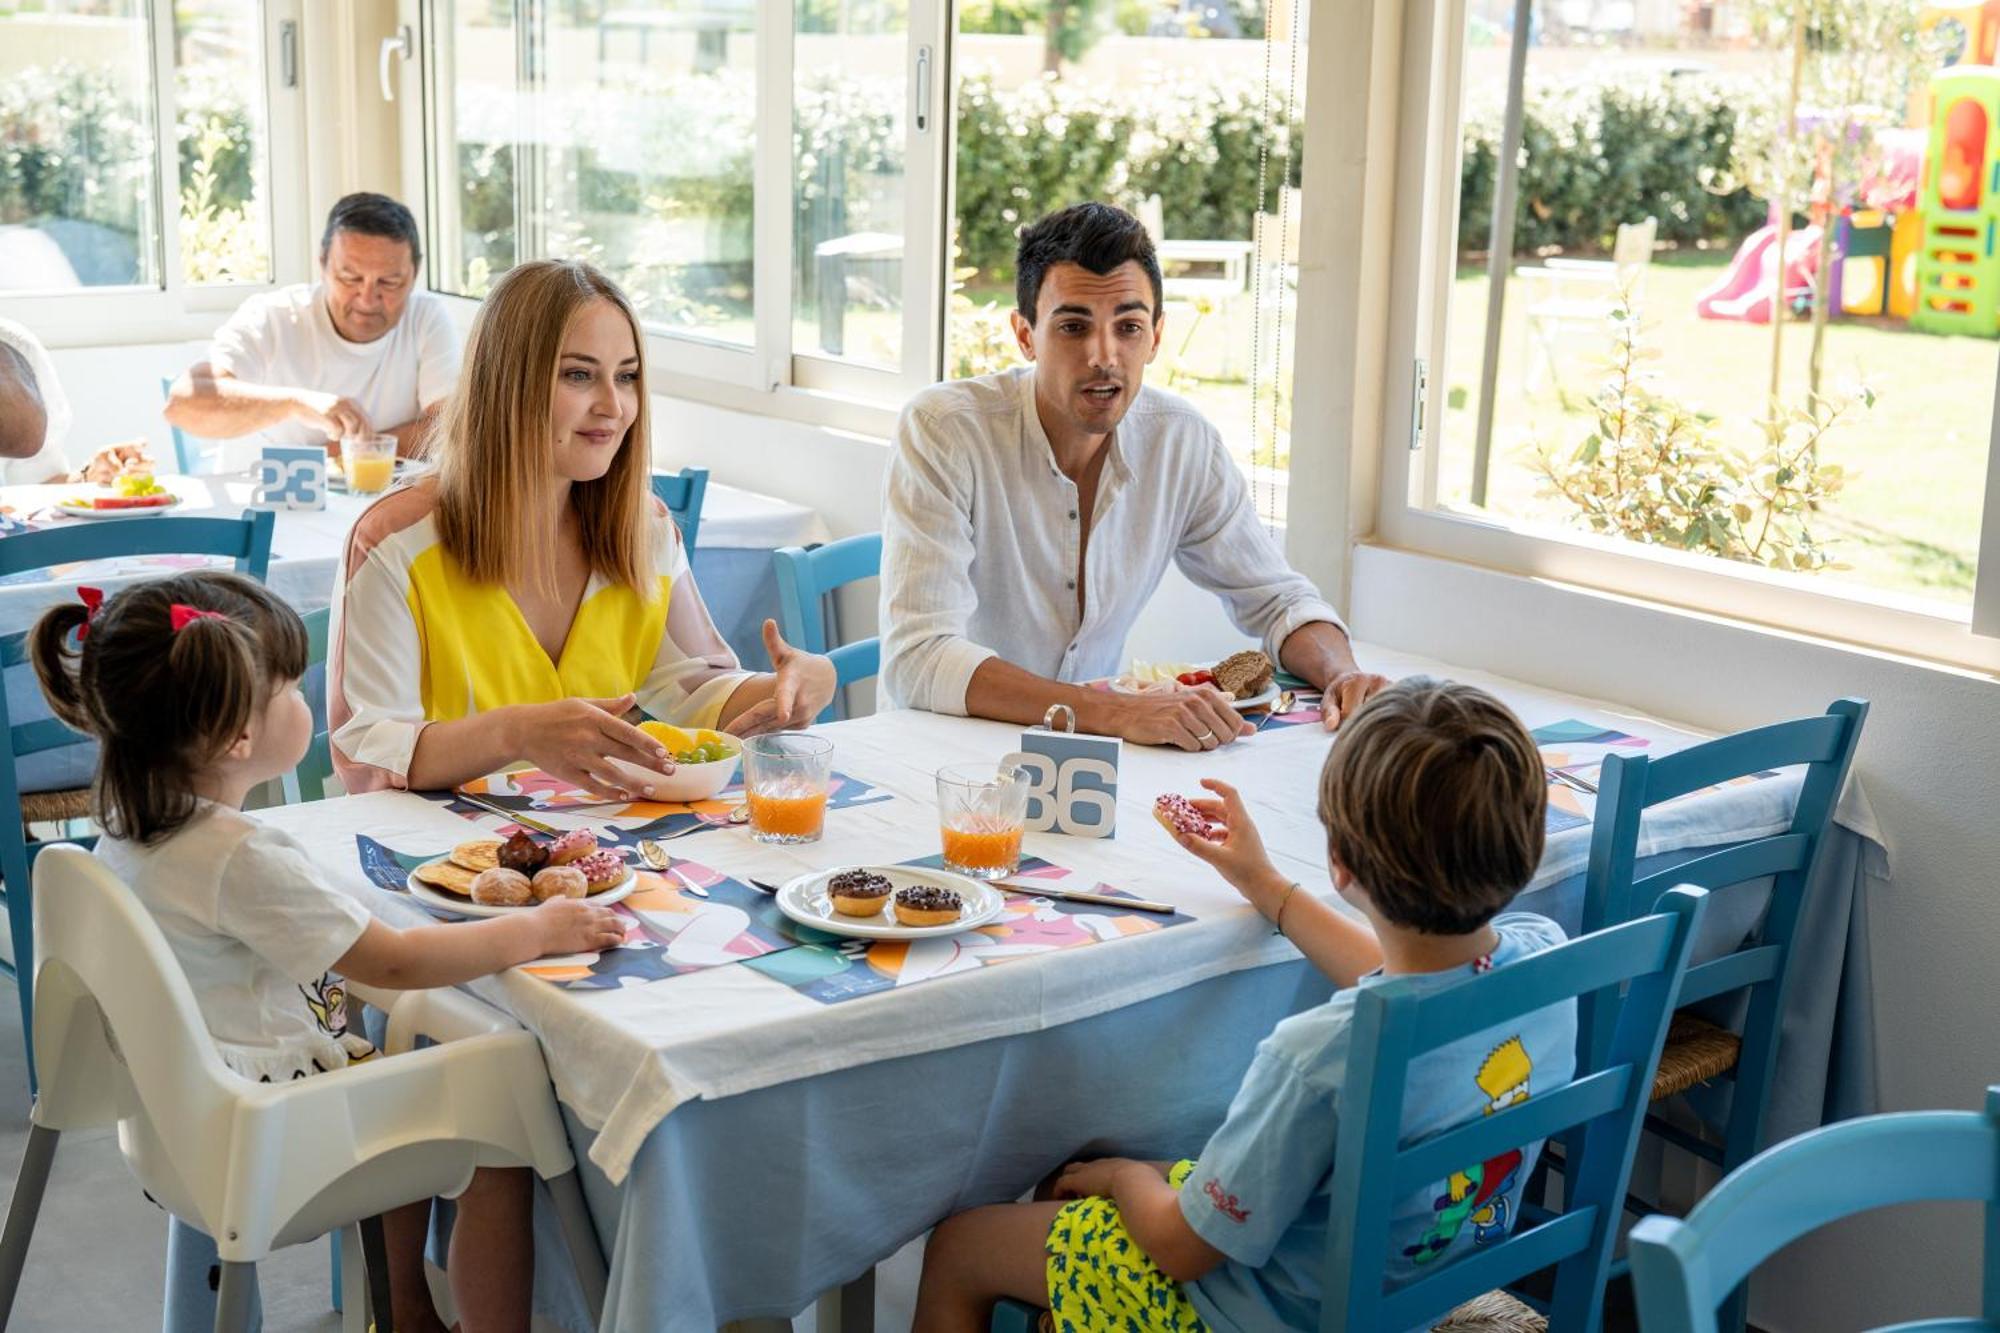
(752, 1135)
(732, 567)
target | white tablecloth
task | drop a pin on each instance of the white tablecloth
(625, 1059)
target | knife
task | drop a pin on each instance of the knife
(535, 825)
(1081, 896)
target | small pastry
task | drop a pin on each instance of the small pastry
(601, 870)
(572, 846)
(559, 882)
(523, 853)
(858, 892)
(447, 875)
(477, 855)
(1244, 675)
(1177, 816)
(928, 905)
(497, 886)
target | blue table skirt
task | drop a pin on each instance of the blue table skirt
(752, 1205)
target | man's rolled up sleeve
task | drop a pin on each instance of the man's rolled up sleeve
(927, 551)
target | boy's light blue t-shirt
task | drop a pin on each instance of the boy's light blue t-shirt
(1262, 1188)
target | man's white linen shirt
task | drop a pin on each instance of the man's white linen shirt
(981, 532)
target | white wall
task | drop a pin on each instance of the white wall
(1927, 763)
(114, 394)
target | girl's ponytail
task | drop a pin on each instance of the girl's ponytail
(57, 664)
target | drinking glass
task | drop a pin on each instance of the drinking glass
(369, 461)
(981, 812)
(785, 779)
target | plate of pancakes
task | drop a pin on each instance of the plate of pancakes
(445, 882)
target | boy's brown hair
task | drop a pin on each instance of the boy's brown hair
(1434, 799)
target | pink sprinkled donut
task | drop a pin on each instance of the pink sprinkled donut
(572, 846)
(1179, 817)
(601, 870)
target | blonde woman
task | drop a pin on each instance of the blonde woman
(520, 603)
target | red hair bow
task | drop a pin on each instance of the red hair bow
(183, 616)
(93, 602)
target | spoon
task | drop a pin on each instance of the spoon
(656, 858)
(1282, 704)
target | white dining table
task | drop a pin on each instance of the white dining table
(747, 1145)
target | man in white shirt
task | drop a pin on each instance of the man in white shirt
(1003, 487)
(35, 419)
(362, 351)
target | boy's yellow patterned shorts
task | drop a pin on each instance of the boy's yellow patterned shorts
(1100, 1281)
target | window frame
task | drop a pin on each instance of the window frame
(769, 376)
(174, 309)
(1423, 258)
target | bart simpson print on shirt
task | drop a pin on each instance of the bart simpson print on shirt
(1479, 1193)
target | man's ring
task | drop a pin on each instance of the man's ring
(1206, 737)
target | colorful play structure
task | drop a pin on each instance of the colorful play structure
(1927, 246)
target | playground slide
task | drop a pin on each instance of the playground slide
(1744, 289)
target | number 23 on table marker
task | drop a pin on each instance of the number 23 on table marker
(290, 477)
(1073, 780)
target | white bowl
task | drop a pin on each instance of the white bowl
(688, 782)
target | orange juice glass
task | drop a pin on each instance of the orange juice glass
(785, 780)
(981, 812)
(369, 461)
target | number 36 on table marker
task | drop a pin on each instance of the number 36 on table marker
(290, 477)
(1073, 780)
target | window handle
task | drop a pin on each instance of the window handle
(923, 89)
(402, 44)
(288, 53)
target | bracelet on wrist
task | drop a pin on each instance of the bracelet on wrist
(1278, 916)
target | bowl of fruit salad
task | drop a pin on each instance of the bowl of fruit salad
(704, 762)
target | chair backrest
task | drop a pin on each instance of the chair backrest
(1398, 1021)
(118, 1034)
(1633, 248)
(1683, 1269)
(308, 781)
(681, 492)
(806, 575)
(187, 450)
(1629, 784)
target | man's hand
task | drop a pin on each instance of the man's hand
(1347, 692)
(114, 461)
(1200, 718)
(333, 414)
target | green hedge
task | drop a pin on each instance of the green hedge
(1600, 154)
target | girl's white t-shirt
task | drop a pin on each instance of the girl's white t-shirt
(256, 927)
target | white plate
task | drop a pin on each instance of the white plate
(806, 901)
(1269, 695)
(451, 902)
(85, 511)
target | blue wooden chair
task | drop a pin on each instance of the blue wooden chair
(681, 492)
(1398, 1021)
(188, 456)
(1698, 1050)
(246, 540)
(805, 576)
(308, 781)
(1682, 1270)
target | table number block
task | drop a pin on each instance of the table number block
(1073, 780)
(290, 477)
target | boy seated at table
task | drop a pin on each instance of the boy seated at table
(1433, 800)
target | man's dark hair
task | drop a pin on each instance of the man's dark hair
(1098, 237)
(372, 215)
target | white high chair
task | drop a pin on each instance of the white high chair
(258, 1166)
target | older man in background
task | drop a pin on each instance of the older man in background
(361, 351)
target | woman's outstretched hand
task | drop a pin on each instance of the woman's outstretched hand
(802, 684)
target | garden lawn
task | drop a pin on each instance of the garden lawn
(1908, 519)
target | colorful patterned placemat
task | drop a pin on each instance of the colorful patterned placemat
(832, 968)
(1579, 748)
(668, 931)
(536, 794)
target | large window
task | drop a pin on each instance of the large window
(1706, 292)
(1187, 112)
(135, 144)
(749, 183)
